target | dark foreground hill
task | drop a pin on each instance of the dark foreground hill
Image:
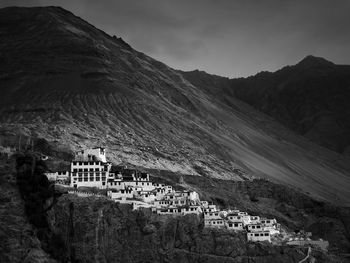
(68, 82)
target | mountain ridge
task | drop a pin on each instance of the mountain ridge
(73, 85)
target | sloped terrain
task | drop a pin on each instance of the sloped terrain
(310, 98)
(68, 82)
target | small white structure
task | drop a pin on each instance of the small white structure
(120, 194)
(268, 222)
(59, 177)
(259, 236)
(235, 225)
(217, 223)
(192, 209)
(235, 217)
(254, 227)
(93, 154)
(212, 215)
(254, 219)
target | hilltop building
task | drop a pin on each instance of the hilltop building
(130, 186)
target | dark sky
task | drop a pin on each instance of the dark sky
(224, 37)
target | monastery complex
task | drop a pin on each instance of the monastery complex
(90, 168)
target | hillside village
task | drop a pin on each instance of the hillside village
(90, 168)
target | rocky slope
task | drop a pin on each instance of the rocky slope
(102, 231)
(70, 83)
(310, 98)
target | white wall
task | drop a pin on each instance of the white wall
(255, 228)
(212, 215)
(234, 225)
(259, 236)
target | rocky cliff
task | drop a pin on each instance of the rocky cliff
(97, 230)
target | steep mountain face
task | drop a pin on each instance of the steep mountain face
(66, 81)
(310, 98)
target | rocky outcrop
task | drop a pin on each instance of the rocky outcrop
(98, 230)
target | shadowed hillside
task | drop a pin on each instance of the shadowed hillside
(310, 98)
(70, 83)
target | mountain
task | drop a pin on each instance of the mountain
(70, 84)
(310, 98)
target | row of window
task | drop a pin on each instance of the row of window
(119, 183)
(212, 214)
(86, 163)
(234, 217)
(90, 179)
(253, 227)
(236, 225)
(75, 170)
(218, 222)
(259, 234)
(90, 173)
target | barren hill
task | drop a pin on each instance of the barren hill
(68, 82)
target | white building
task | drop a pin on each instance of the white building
(254, 219)
(235, 225)
(217, 223)
(94, 154)
(90, 169)
(235, 217)
(120, 194)
(259, 236)
(58, 177)
(212, 215)
(268, 222)
(192, 209)
(254, 227)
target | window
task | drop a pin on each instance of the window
(266, 234)
(85, 179)
(97, 178)
(75, 170)
(80, 169)
(256, 235)
(97, 169)
(80, 179)
(80, 163)
(91, 169)
(236, 225)
(230, 225)
(86, 169)
(74, 163)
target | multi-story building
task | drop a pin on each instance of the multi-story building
(90, 169)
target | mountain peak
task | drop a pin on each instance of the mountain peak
(314, 62)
